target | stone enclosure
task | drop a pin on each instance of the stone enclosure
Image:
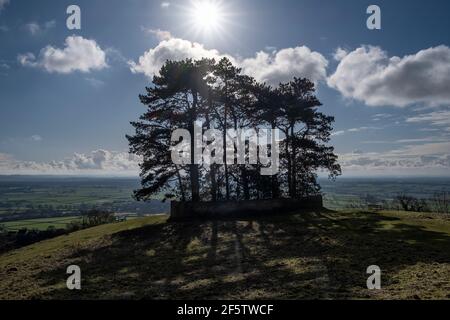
(182, 211)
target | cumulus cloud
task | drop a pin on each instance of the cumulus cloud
(79, 54)
(431, 157)
(340, 54)
(368, 74)
(283, 65)
(172, 49)
(97, 162)
(273, 68)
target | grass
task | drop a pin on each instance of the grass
(41, 224)
(315, 255)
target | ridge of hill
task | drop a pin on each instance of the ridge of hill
(309, 255)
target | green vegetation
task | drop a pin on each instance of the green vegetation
(27, 197)
(43, 197)
(320, 255)
(41, 224)
(358, 193)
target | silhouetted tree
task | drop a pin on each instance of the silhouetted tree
(218, 95)
(174, 102)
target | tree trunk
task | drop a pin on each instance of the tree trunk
(275, 184)
(289, 164)
(227, 181)
(212, 166)
(294, 167)
(245, 183)
(180, 181)
(194, 172)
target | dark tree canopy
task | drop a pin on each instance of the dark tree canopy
(221, 97)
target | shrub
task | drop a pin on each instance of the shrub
(96, 217)
(440, 203)
(409, 203)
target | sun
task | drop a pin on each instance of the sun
(208, 20)
(207, 15)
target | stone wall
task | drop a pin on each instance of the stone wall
(228, 209)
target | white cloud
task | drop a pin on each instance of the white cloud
(283, 65)
(352, 130)
(35, 28)
(382, 116)
(441, 138)
(160, 34)
(95, 163)
(431, 157)
(96, 83)
(165, 4)
(3, 3)
(436, 118)
(368, 74)
(338, 133)
(36, 138)
(172, 49)
(275, 67)
(79, 54)
(340, 54)
(270, 48)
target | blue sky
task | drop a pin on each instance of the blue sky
(67, 96)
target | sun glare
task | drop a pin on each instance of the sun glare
(207, 15)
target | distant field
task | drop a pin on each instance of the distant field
(26, 197)
(357, 192)
(40, 224)
(33, 195)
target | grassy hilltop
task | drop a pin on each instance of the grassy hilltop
(304, 256)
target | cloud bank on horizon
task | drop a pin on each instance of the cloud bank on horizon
(98, 162)
(402, 161)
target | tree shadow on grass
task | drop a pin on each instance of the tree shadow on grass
(305, 256)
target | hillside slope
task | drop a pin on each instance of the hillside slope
(304, 256)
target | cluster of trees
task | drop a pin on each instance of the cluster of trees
(97, 217)
(221, 97)
(10, 240)
(439, 203)
(410, 203)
